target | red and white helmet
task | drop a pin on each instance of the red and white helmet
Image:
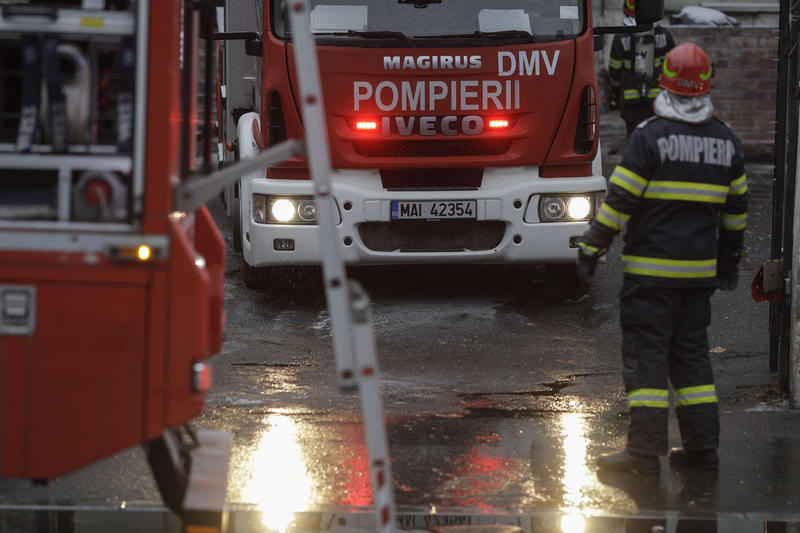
(687, 71)
(628, 8)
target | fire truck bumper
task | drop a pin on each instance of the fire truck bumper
(509, 223)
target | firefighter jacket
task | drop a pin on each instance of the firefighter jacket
(680, 194)
(633, 85)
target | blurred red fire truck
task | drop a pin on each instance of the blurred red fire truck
(111, 301)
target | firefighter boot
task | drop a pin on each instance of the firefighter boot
(626, 461)
(707, 459)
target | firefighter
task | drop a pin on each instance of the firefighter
(680, 194)
(633, 66)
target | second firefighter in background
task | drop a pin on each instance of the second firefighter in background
(633, 68)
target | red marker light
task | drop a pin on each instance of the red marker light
(366, 125)
(201, 377)
(497, 124)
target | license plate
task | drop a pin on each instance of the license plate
(433, 209)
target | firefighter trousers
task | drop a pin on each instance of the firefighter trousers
(664, 339)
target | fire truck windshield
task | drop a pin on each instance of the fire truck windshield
(469, 22)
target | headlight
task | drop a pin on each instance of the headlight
(260, 208)
(566, 208)
(307, 210)
(284, 209)
(578, 207)
(553, 208)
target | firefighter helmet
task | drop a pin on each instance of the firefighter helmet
(687, 71)
(628, 8)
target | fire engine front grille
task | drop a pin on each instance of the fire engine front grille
(432, 179)
(438, 236)
(432, 148)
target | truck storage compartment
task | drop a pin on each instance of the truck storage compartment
(96, 87)
(97, 376)
(67, 77)
(65, 188)
(28, 194)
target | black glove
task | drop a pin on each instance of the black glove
(586, 266)
(728, 271)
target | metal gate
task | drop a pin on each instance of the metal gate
(784, 316)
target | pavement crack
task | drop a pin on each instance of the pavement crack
(552, 387)
(276, 365)
(276, 343)
(734, 355)
(497, 412)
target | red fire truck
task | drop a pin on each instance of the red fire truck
(460, 131)
(110, 299)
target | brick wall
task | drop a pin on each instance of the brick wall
(745, 79)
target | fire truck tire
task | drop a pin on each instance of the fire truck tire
(236, 216)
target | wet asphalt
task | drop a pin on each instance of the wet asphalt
(500, 389)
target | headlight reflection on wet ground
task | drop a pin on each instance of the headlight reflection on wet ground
(277, 479)
(573, 523)
(576, 476)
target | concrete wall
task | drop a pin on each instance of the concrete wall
(745, 79)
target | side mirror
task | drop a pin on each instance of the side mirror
(255, 47)
(253, 43)
(599, 42)
(649, 11)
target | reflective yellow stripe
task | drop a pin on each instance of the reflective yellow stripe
(739, 186)
(696, 388)
(614, 63)
(669, 268)
(652, 93)
(736, 222)
(591, 250)
(687, 191)
(695, 395)
(628, 63)
(648, 398)
(612, 218)
(630, 94)
(628, 180)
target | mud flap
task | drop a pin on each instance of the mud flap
(191, 472)
(204, 502)
(168, 459)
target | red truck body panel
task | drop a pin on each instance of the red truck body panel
(109, 363)
(536, 87)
